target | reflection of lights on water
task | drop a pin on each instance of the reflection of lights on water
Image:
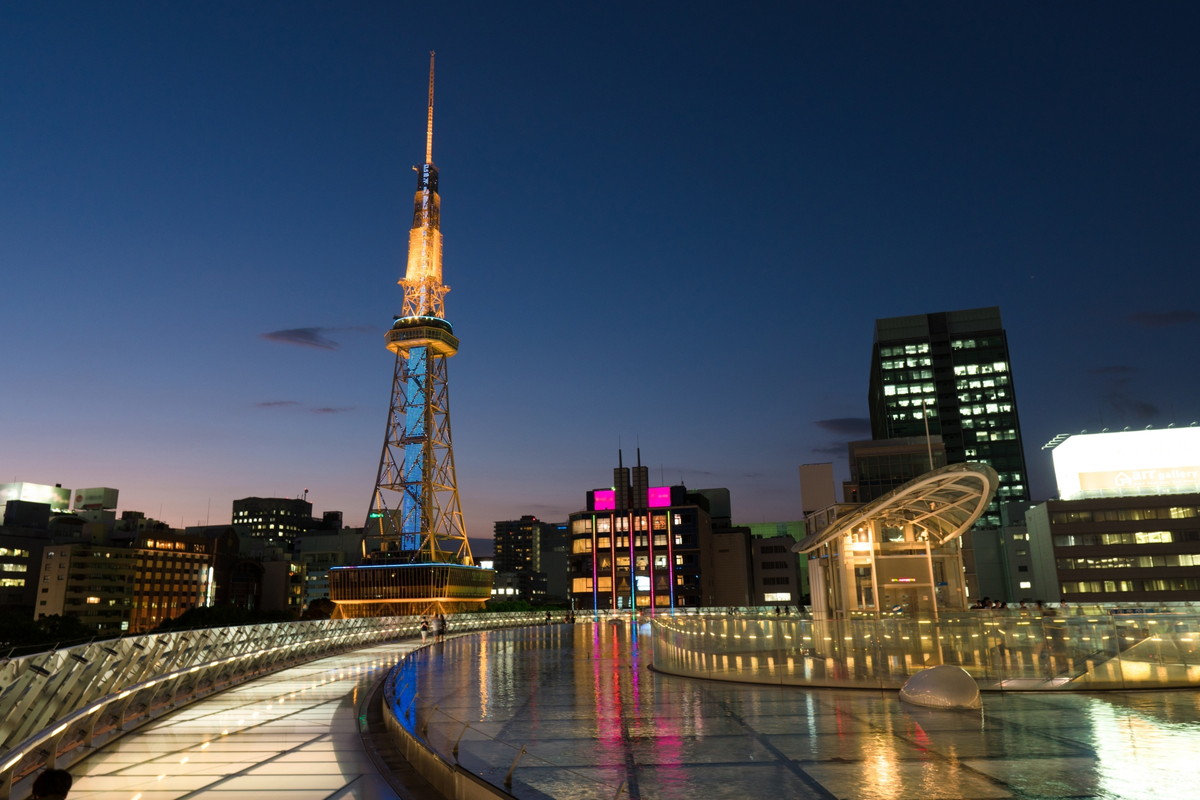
(1140, 757)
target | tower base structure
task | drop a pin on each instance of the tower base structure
(398, 590)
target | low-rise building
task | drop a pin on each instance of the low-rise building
(637, 546)
(92, 582)
(1126, 527)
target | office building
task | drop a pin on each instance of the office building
(517, 545)
(20, 557)
(817, 489)
(92, 582)
(1126, 527)
(320, 551)
(172, 573)
(97, 504)
(524, 552)
(879, 466)
(58, 498)
(637, 546)
(779, 576)
(555, 547)
(274, 520)
(1027, 571)
(949, 374)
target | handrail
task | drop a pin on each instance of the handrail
(59, 706)
(1010, 651)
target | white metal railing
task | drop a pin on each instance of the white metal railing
(59, 706)
(1010, 650)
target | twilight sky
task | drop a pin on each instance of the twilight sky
(666, 224)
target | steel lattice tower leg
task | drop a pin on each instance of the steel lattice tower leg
(415, 513)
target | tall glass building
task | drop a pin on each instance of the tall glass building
(949, 374)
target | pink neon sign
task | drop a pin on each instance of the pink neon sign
(604, 500)
(659, 496)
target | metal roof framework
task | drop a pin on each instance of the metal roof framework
(944, 503)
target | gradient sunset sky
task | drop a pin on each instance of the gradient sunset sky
(666, 224)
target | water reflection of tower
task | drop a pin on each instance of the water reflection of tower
(416, 554)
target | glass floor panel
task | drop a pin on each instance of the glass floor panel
(290, 735)
(596, 722)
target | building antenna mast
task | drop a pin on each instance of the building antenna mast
(928, 440)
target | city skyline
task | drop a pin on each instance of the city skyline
(663, 230)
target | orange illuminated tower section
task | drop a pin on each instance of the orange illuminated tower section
(416, 556)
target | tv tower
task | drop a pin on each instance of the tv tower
(417, 558)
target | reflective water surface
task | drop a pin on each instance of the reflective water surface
(594, 719)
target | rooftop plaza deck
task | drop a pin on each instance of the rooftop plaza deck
(577, 712)
(574, 712)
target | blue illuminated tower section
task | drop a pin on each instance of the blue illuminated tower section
(415, 514)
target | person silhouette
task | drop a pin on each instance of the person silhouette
(52, 784)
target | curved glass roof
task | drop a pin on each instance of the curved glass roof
(944, 502)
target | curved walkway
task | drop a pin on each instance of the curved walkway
(596, 722)
(293, 734)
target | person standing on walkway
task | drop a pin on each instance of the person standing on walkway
(424, 629)
(439, 627)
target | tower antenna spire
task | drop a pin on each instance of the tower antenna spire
(429, 115)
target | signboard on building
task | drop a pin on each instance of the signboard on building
(1124, 463)
(96, 499)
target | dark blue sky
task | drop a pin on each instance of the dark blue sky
(665, 224)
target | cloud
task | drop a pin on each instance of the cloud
(683, 472)
(1118, 370)
(1163, 319)
(305, 337)
(1118, 387)
(1131, 407)
(544, 509)
(846, 426)
(314, 337)
(297, 404)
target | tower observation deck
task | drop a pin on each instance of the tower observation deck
(416, 556)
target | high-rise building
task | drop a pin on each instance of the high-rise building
(418, 558)
(518, 556)
(949, 374)
(518, 545)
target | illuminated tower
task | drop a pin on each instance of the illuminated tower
(417, 557)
